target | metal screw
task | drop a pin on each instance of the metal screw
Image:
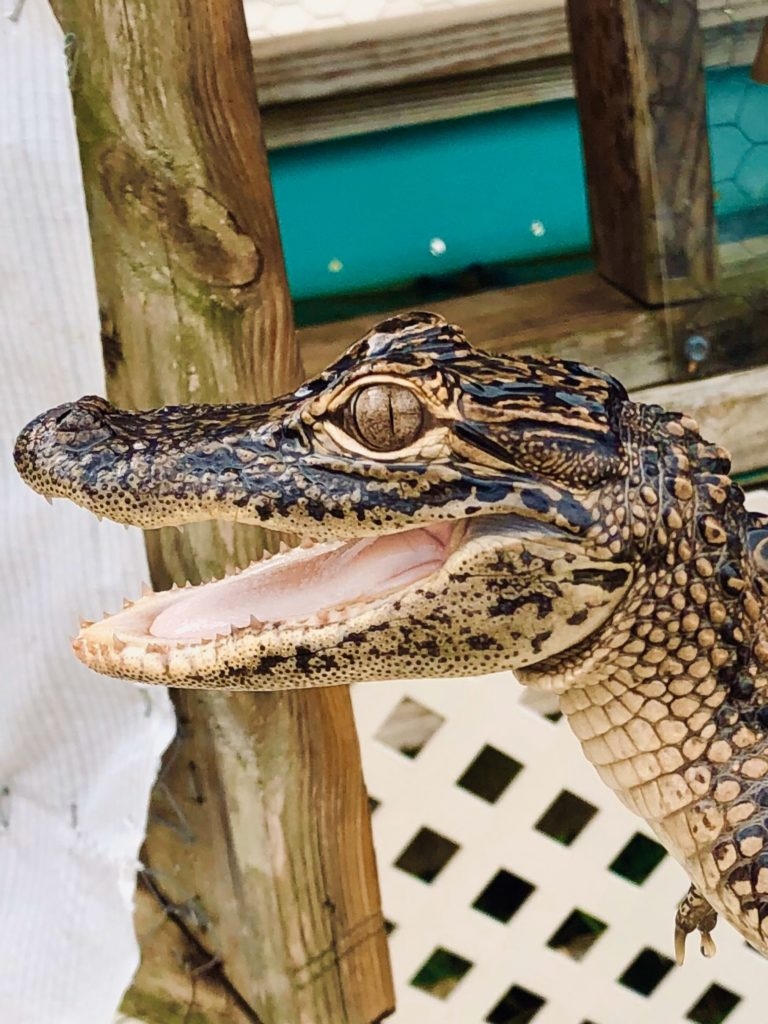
(696, 348)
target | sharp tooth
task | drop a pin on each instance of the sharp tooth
(146, 590)
(85, 623)
(48, 498)
(283, 547)
(255, 623)
(174, 586)
(155, 649)
(187, 584)
(118, 644)
(318, 619)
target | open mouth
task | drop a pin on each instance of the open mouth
(312, 585)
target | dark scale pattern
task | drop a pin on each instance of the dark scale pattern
(599, 548)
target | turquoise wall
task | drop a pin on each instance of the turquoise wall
(376, 211)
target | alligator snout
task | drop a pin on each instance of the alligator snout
(67, 431)
(155, 467)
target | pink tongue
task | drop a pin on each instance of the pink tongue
(297, 586)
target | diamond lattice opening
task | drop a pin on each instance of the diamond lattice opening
(714, 1007)
(638, 859)
(646, 972)
(518, 1006)
(566, 817)
(441, 973)
(426, 855)
(577, 934)
(489, 774)
(503, 896)
(409, 727)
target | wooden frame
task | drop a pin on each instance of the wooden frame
(411, 70)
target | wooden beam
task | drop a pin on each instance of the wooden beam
(394, 72)
(259, 828)
(390, 51)
(582, 317)
(640, 93)
(760, 63)
(411, 103)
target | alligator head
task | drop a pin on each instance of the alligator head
(459, 512)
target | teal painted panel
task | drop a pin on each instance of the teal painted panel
(376, 212)
(488, 188)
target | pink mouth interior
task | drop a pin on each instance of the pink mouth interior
(306, 583)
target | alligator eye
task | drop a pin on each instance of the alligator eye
(385, 417)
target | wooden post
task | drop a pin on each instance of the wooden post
(760, 65)
(640, 91)
(259, 842)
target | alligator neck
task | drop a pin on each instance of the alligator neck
(670, 704)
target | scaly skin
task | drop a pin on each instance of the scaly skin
(596, 546)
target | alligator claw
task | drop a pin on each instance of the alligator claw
(694, 913)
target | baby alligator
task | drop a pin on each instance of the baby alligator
(463, 513)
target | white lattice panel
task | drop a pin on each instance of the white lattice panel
(421, 792)
(282, 17)
(506, 945)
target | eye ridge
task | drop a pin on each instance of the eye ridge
(384, 416)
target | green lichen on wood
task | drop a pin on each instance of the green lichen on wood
(154, 1009)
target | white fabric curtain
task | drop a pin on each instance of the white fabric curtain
(78, 753)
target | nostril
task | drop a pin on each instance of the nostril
(82, 421)
(76, 419)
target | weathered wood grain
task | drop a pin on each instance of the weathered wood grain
(177, 981)
(760, 63)
(419, 102)
(259, 830)
(640, 94)
(432, 45)
(415, 69)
